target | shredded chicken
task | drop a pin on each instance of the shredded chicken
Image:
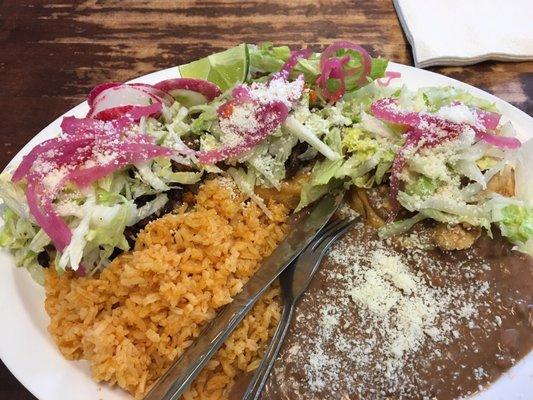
(381, 202)
(357, 199)
(289, 193)
(503, 182)
(460, 237)
(456, 237)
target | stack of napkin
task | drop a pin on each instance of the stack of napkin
(462, 32)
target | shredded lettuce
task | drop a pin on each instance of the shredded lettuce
(266, 58)
(523, 175)
(293, 126)
(268, 159)
(19, 232)
(13, 196)
(399, 227)
(310, 193)
(437, 97)
(383, 166)
(422, 187)
(206, 117)
(25, 241)
(102, 227)
(377, 127)
(515, 220)
(162, 169)
(325, 170)
(446, 208)
(73, 253)
(149, 177)
(152, 207)
(245, 181)
(379, 66)
(361, 99)
(355, 140)
(353, 169)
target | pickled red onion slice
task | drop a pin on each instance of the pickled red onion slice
(208, 89)
(110, 114)
(99, 89)
(333, 69)
(137, 112)
(115, 101)
(241, 94)
(163, 96)
(389, 76)
(53, 151)
(490, 120)
(40, 206)
(291, 62)
(261, 108)
(499, 141)
(28, 160)
(73, 126)
(412, 139)
(366, 60)
(387, 110)
(133, 113)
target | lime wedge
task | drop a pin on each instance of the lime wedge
(224, 69)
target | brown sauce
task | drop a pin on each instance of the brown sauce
(476, 308)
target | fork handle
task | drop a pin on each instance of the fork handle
(256, 385)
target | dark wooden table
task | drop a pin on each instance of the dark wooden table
(53, 52)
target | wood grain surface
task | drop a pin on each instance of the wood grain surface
(53, 52)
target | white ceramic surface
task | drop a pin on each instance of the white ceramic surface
(29, 352)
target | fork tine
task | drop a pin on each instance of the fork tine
(331, 226)
(327, 240)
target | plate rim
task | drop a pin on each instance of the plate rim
(10, 273)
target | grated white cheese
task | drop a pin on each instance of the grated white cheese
(242, 119)
(278, 89)
(374, 315)
(52, 179)
(459, 113)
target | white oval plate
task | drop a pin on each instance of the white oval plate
(29, 352)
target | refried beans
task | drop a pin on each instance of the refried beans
(391, 319)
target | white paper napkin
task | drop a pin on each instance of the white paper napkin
(462, 32)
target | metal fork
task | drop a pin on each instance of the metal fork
(294, 281)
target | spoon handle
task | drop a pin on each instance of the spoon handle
(256, 385)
